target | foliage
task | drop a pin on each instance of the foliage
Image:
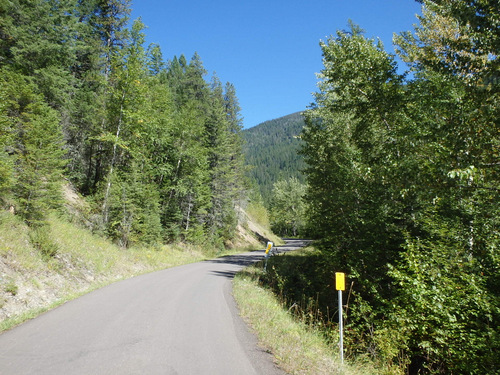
(288, 208)
(153, 144)
(42, 242)
(34, 147)
(6, 133)
(257, 210)
(403, 177)
(298, 348)
(82, 262)
(303, 282)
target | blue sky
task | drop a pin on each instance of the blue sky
(269, 49)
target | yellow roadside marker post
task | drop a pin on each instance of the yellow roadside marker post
(268, 249)
(340, 286)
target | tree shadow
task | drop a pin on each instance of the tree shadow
(241, 260)
(247, 259)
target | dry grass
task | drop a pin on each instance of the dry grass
(31, 282)
(298, 348)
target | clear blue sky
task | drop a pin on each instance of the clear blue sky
(269, 49)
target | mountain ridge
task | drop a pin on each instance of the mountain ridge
(271, 149)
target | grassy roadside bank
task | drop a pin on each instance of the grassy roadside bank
(34, 281)
(299, 348)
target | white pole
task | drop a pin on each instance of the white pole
(341, 329)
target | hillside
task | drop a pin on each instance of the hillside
(271, 149)
(33, 281)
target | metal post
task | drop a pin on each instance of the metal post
(341, 329)
(268, 253)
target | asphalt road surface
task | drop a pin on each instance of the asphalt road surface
(182, 320)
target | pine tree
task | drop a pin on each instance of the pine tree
(238, 182)
(6, 142)
(187, 203)
(221, 219)
(131, 199)
(103, 27)
(42, 41)
(36, 147)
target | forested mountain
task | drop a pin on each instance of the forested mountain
(271, 150)
(153, 145)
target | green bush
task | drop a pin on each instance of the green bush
(41, 240)
(11, 287)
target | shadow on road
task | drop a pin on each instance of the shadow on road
(246, 259)
(228, 274)
(241, 260)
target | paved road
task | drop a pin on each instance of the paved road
(181, 320)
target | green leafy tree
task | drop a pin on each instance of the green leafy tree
(351, 150)
(153, 145)
(130, 198)
(187, 203)
(454, 54)
(188, 197)
(288, 208)
(403, 180)
(102, 33)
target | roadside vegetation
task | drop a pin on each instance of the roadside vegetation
(284, 309)
(33, 281)
(67, 260)
(402, 194)
(113, 160)
(153, 145)
(403, 187)
(400, 189)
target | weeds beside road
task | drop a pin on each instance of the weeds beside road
(290, 329)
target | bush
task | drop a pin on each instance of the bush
(41, 240)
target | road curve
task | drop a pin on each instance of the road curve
(181, 320)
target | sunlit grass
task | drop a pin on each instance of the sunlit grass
(297, 347)
(82, 262)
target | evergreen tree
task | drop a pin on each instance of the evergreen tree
(6, 143)
(156, 64)
(224, 148)
(36, 146)
(154, 146)
(42, 40)
(130, 199)
(102, 33)
(186, 205)
(238, 182)
(271, 152)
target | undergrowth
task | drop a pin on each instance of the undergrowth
(42, 267)
(303, 286)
